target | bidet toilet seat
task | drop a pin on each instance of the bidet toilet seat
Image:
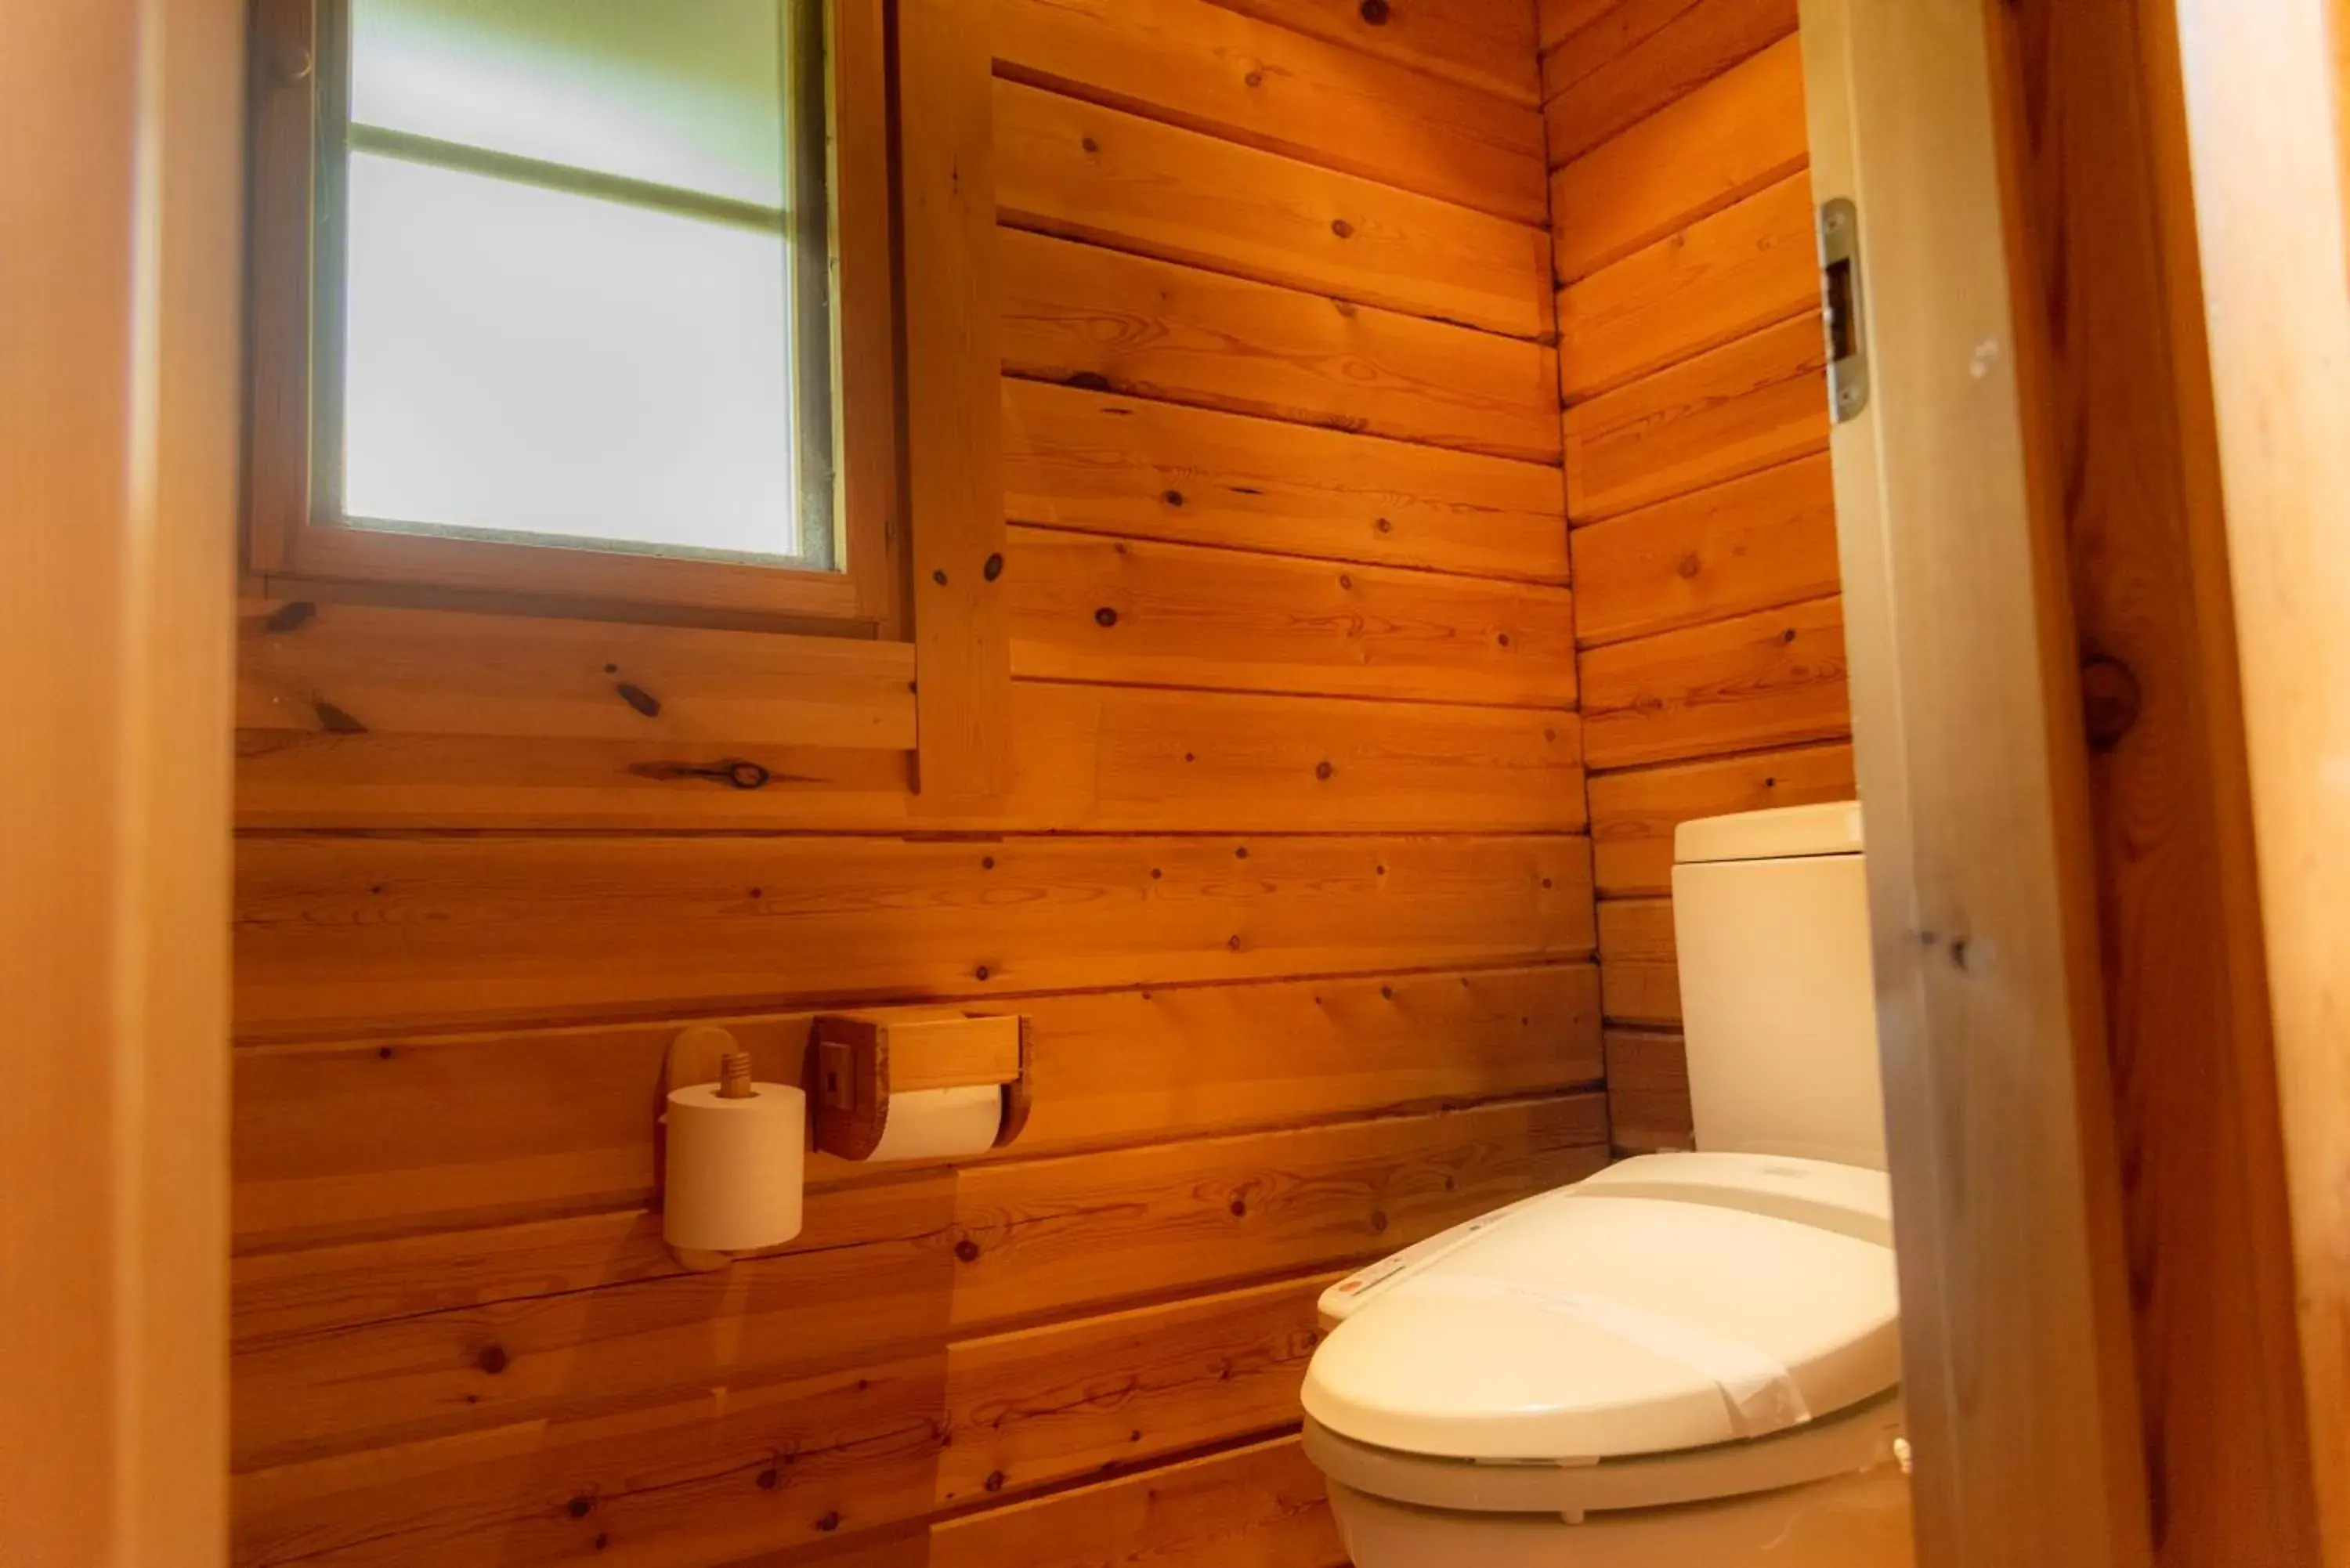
(1678, 1329)
(1844, 1444)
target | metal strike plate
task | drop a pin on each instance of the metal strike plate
(1840, 299)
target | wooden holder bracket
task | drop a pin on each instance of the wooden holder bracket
(860, 1059)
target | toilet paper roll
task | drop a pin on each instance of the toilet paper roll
(936, 1124)
(736, 1168)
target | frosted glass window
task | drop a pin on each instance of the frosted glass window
(576, 301)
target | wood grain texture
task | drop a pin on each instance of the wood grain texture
(373, 1138)
(1095, 759)
(1759, 680)
(1639, 979)
(1647, 1092)
(1081, 314)
(1719, 278)
(948, 171)
(1094, 608)
(1084, 171)
(2267, 150)
(1488, 44)
(1628, 60)
(1285, 866)
(1755, 543)
(1729, 139)
(1210, 68)
(505, 927)
(359, 670)
(1260, 1507)
(1094, 461)
(2109, 303)
(1748, 405)
(886, 1272)
(1634, 811)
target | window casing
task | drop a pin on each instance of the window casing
(506, 345)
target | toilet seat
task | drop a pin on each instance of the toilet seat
(1673, 1303)
(1848, 1443)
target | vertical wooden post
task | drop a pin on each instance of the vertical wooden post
(2016, 1314)
(121, 156)
(954, 485)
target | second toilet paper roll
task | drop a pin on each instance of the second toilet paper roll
(936, 1124)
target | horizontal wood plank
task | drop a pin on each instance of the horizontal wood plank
(1721, 277)
(1639, 980)
(1755, 543)
(1083, 314)
(1634, 813)
(1045, 1404)
(1144, 469)
(1631, 59)
(1734, 137)
(1488, 44)
(1084, 171)
(1087, 607)
(1260, 1507)
(1106, 1225)
(1761, 681)
(1093, 758)
(367, 1138)
(886, 1271)
(383, 932)
(1648, 1091)
(1213, 70)
(1746, 406)
(741, 1470)
(304, 668)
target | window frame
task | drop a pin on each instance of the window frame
(294, 541)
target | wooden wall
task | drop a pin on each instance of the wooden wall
(1707, 618)
(1294, 878)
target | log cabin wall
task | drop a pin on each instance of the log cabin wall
(1293, 882)
(1707, 615)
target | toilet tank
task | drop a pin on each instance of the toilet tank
(1771, 918)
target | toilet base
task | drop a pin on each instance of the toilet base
(1859, 1520)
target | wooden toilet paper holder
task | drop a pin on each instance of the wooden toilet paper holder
(858, 1060)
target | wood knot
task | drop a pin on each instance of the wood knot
(1689, 565)
(335, 721)
(1323, 770)
(2111, 700)
(578, 1506)
(1173, 498)
(994, 566)
(1342, 229)
(1105, 616)
(290, 618)
(1090, 145)
(1384, 526)
(1255, 80)
(1375, 12)
(493, 1359)
(967, 1249)
(940, 577)
(636, 697)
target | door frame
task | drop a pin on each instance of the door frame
(2022, 1398)
(121, 153)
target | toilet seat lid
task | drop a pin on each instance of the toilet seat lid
(1620, 1317)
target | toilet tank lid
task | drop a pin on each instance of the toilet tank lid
(1830, 827)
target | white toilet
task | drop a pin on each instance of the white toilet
(1688, 1359)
